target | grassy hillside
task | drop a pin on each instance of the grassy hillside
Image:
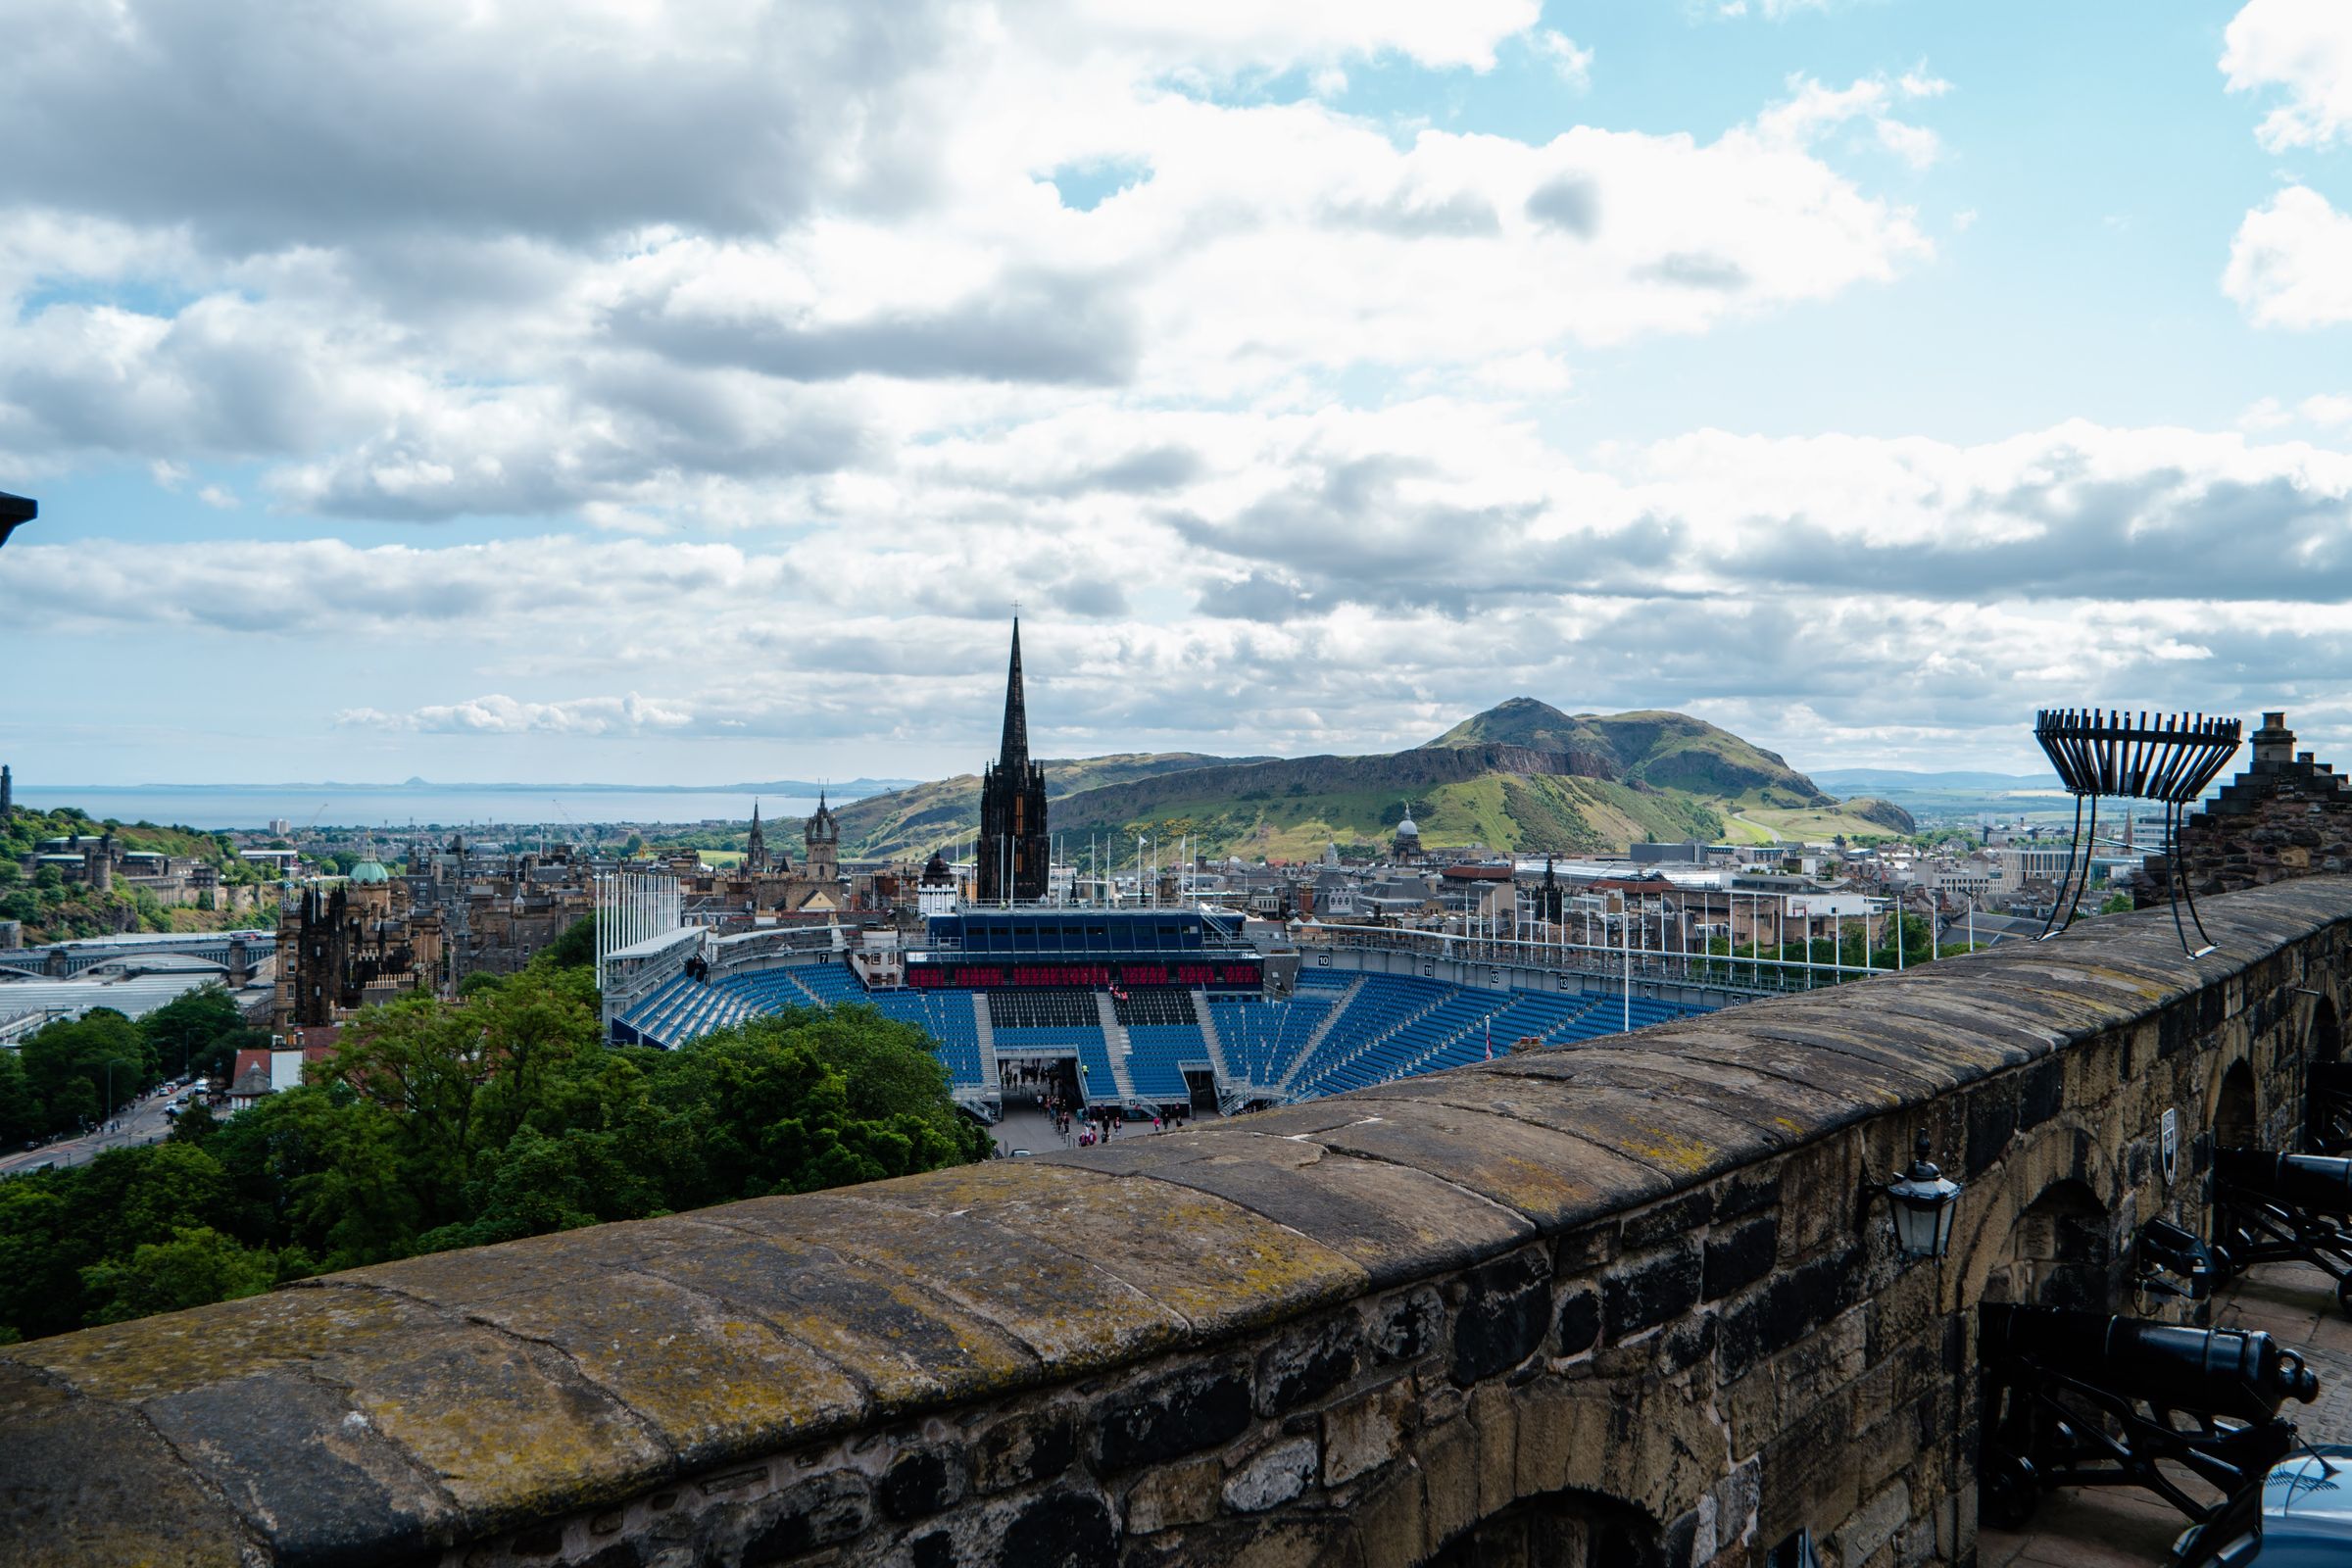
(1669, 750)
(1522, 777)
(53, 910)
(912, 823)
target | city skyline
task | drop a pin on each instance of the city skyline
(1857, 376)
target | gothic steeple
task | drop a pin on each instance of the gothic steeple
(1014, 753)
(1015, 853)
(754, 850)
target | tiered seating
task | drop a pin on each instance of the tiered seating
(1160, 1053)
(947, 1018)
(1255, 1033)
(1031, 1010)
(683, 1010)
(1381, 1027)
(1154, 1006)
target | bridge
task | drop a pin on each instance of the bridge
(59, 961)
(1629, 1299)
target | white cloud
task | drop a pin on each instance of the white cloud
(2290, 263)
(2304, 48)
(1572, 65)
(495, 714)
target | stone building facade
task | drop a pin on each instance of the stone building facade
(2286, 815)
(343, 947)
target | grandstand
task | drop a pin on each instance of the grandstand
(1151, 1045)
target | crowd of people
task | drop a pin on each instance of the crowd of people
(1078, 1125)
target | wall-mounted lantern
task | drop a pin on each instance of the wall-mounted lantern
(1922, 1198)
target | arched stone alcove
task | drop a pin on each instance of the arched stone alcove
(1560, 1529)
(2061, 1253)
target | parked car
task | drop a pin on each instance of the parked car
(2306, 1518)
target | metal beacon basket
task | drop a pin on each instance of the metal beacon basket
(2169, 760)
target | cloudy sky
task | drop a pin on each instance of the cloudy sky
(606, 389)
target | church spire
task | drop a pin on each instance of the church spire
(1014, 754)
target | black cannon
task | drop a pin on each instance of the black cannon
(2273, 1208)
(2084, 1400)
(2328, 1093)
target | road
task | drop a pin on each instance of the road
(142, 1121)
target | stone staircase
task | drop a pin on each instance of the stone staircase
(990, 1078)
(1314, 1041)
(1114, 1034)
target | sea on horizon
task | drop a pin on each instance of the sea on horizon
(255, 807)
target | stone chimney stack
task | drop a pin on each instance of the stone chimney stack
(2274, 742)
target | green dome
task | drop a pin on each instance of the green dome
(371, 871)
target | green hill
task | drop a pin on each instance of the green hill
(1522, 776)
(1667, 751)
(910, 823)
(53, 910)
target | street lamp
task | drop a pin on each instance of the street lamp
(1922, 1199)
(15, 510)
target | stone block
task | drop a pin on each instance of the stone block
(1306, 1364)
(1739, 1256)
(1175, 1414)
(1581, 1250)
(921, 1481)
(1676, 1217)
(1643, 1293)
(1874, 1524)
(1185, 1492)
(1391, 1521)
(1749, 1191)
(1823, 1363)
(1407, 1327)
(1364, 1433)
(1752, 1407)
(1786, 1307)
(1024, 1448)
(1808, 1472)
(1505, 1310)
(1272, 1477)
(1579, 1320)
(2040, 1093)
(1067, 1529)
(1450, 1489)
(816, 1512)
(1817, 1196)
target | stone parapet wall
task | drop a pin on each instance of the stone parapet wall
(1623, 1301)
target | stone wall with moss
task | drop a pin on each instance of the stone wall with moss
(1618, 1303)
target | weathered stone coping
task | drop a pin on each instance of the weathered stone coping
(390, 1410)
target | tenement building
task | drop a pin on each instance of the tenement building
(1015, 853)
(343, 947)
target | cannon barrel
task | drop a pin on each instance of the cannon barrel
(2213, 1372)
(2319, 1183)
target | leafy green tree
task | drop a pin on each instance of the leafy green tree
(474, 984)
(21, 1111)
(576, 947)
(194, 1125)
(451, 1124)
(200, 1032)
(73, 1066)
(196, 1266)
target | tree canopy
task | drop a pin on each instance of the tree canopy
(442, 1124)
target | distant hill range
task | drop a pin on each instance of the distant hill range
(1522, 777)
(1896, 781)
